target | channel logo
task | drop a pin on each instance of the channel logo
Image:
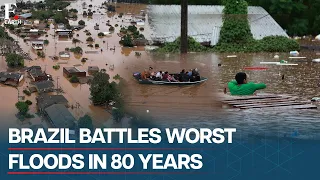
(8, 9)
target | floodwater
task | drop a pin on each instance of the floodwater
(186, 106)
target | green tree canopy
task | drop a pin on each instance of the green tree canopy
(23, 107)
(102, 91)
(82, 23)
(14, 60)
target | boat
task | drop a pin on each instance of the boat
(316, 60)
(137, 76)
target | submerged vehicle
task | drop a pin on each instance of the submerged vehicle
(137, 76)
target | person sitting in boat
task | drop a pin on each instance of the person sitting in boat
(240, 86)
(144, 75)
(195, 74)
(159, 76)
(151, 73)
(171, 78)
(165, 76)
(183, 77)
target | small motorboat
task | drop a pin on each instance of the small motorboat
(137, 76)
(316, 60)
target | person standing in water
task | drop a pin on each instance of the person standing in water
(240, 86)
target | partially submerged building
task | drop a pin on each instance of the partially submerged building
(37, 44)
(60, 116)
(64, 54)
(36, 74)
(73, 71)
(93, 69)
(204, 23)
(11, 79)
(46, 100)
(44, 86)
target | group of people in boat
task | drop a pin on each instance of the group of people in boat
(184, 76)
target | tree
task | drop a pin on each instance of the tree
(14, 60)
(74, 79)
(117, 114)
(46, 42)
(23, 107)
(100, 34)
(77, 50)
(82, 23)
(127, 41)
(75, 41)
(102, 91)
(90, 39)
(85, 122)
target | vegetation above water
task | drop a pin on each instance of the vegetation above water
(172, 47)
(298, 17)
(14, 60)
(104, 92)
(236, 36)
(131, 36)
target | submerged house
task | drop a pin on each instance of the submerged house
(37, 44)
(11, 79)
(60, 116)
(204, 23)
(44, 86)
(37, 74)
(64, 54)
(46, 100)
(93, 69)
(73, 71)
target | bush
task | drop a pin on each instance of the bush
(174, 46)
(41, 54)
(27, 92)
(76, 50)
(111, 29)
(100, 34)
(141, 28)
(22, 107)
(85, 13)
(46, 42)
(126, 41)
(56, 67)
(74, 79)
(67, 49)
(90, 13)
(96, 45)
(116, 25)
(132, 28)
(111, 8)
(90, 45)
(81, 23)
(90, 39)
(28, 102)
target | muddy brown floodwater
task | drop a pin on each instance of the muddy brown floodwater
(176, 106)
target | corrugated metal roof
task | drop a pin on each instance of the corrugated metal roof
(205, 23)
(60, 116)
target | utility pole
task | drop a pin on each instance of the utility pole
(184, 27)
(58, 84)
